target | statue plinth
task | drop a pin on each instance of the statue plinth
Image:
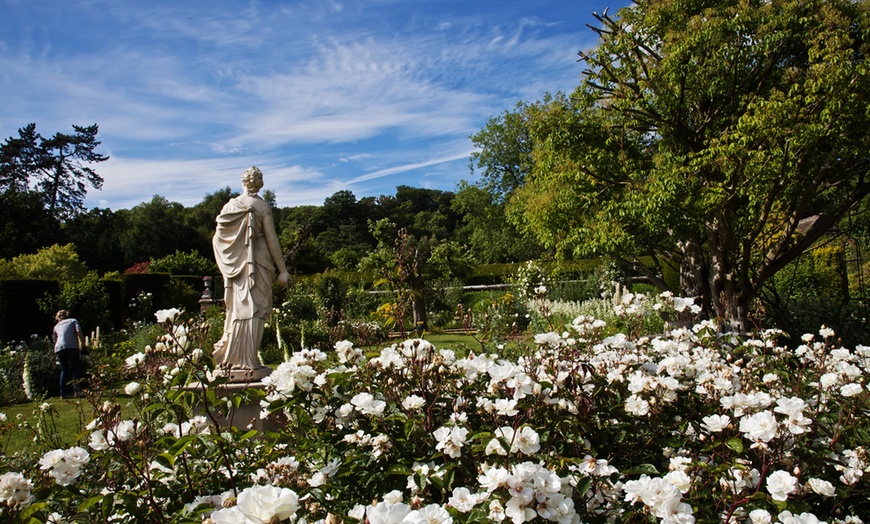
(244, 375)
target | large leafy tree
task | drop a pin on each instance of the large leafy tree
(503, 157)
(720, 137)
(485, 229)
(156, 229)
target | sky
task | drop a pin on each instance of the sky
(322, 95)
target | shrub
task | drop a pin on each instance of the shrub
(688, 426)
(184, 263)
(12, 358)
(87, 300)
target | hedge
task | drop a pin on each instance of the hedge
(21, 316)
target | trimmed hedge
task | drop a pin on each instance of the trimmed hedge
(20, 316)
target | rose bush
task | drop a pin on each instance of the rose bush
(584, 425)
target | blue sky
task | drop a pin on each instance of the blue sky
(322, 95)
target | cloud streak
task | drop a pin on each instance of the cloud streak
(360, 95)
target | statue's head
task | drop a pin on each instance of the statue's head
(252, 179)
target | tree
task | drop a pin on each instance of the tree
(723, 138)
(52, 263)
(486, 230)
(201, 218)
(504, 152)
(408, 266)
(60, 166)
(66, 171)
(25, 225)
(19, 159)
(156, 229)
(98, 236)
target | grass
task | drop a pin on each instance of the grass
(44, 425)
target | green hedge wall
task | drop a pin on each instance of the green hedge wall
(20, 316)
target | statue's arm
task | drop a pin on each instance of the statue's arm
(275, 249)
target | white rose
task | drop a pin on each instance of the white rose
(463, 500)
(231, 515)
(760, 426)
(716, 423)
(167, 315)
(851, 390)
(133, 388)
(780, 484)
(413, 402)
(822, 487)
(760, 516)
(262, 503)
(387, 513)
(787, 517)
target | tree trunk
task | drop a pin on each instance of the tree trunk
(730, 294)
(693, 274)
(419, 313)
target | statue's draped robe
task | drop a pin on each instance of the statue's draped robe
(242, 254)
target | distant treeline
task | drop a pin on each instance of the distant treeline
(335, 235)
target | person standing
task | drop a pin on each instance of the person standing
(68, 341)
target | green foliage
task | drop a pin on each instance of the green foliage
(813, 291)
(157, 229)
(850, 320)
(184, 263)
(818, 275)
(41, 372)
(20, 315)
(98, 237)
(721, 139)
(86, 299)
(601, 427)
(51, 263)
(12, 358)
(25, 225)
(181, 294)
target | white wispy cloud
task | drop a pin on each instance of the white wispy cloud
(323, 95)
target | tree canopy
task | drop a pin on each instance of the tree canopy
(58, 168)
(721, 138)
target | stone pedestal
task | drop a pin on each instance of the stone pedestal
(247, 414)
(244, 376)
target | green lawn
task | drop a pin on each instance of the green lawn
(63, 418)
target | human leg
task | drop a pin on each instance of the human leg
(69, 371)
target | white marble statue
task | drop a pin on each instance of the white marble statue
(247, 252)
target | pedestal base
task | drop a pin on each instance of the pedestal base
(244, 376)
(247, 414)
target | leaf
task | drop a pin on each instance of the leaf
(735, 444)
(583, 485)
(96, 499)
(182, 444)
(641, 469)
(400, 469)
(33, 508)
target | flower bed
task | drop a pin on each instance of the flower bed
(689, 426)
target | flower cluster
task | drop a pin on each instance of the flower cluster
(582, 425)
(65, 465)
(15, 490)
